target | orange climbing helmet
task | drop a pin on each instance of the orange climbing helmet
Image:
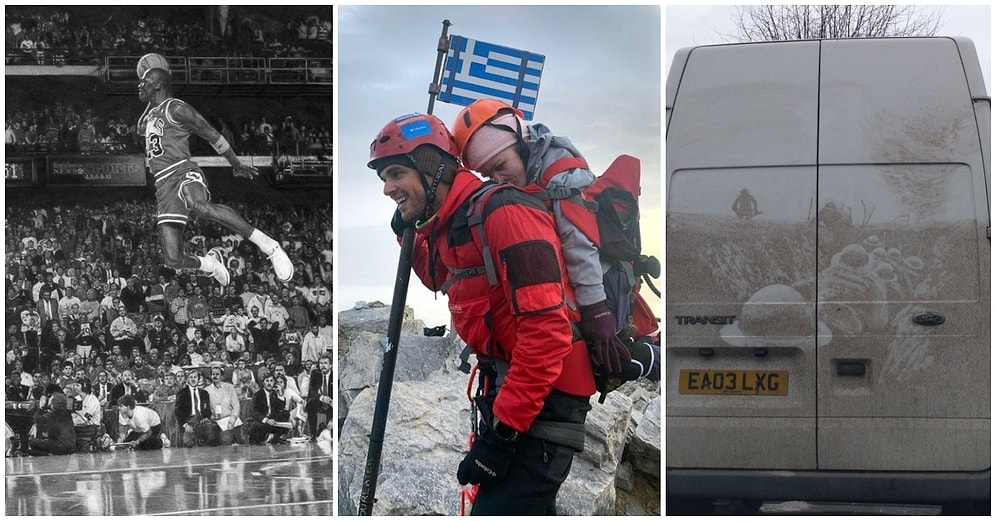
(473, 116)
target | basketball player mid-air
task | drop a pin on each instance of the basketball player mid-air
(181, 190)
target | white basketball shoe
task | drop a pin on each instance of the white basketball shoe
(282, 265)
(220, 272)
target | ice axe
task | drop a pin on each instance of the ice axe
(387, 374)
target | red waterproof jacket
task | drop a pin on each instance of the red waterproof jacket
(524, 318)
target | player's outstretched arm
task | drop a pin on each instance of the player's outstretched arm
(186, 115)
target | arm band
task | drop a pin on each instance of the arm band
(221, 146)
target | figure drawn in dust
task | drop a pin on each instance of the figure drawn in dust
(745, 206)
(836, 227)
(776, 316)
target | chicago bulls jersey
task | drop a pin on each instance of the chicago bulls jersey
(166, 140)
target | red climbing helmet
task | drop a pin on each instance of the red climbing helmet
(402, 135)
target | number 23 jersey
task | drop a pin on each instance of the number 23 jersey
(166, 140)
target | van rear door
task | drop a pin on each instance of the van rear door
(903, 257)
(741, 332)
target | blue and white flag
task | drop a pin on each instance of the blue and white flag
(476, 70)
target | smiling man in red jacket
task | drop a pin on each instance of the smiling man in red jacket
(509, 297)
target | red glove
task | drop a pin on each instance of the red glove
(598, 325)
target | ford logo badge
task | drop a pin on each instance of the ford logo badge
(928, 319)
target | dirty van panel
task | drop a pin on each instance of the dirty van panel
(741, 443)
(741, 335)
(743, 285)
(886, 269)
(906, 102)
(780, 82)
(741, 340)
(827, 324)
(903, 260)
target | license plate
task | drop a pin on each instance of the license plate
(710, 381)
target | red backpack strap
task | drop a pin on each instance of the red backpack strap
(475, 217)
(545, 194)
(562, 165)
(581, 212)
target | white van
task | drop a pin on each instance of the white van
(828, 273)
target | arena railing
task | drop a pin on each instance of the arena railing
(57, 57)
(227, 70)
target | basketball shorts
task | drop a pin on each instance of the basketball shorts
(171, 206)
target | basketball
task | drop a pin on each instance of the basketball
(151, 61)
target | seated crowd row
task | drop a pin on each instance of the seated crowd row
(208, 410)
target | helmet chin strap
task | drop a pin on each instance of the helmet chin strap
(430, 190)
(430, 195)
(430, 199)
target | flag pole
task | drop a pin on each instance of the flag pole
(441, 49)
(383, 400)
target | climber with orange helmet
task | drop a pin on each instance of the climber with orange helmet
(534, 377)
(494, 140)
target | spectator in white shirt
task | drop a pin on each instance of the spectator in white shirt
(276, 312)
(66, 302)
(312, 346)
(139, 426)
(225, 408)
(235, 345)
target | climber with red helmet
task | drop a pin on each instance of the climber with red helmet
(494, 140)
(534, 377)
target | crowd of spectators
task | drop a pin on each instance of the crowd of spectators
(288, 137)
(66, 128)
(91, 309)
(57, 36)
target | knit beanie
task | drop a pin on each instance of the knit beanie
(427, 160)
(489, 141)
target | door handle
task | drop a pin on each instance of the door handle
(850, 369)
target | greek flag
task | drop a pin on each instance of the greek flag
(476, 70)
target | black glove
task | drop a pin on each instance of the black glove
(647, 355)
(598, 325)
(488, 460)
(398, 224)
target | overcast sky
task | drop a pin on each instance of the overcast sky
(601, 87)
(687, 26)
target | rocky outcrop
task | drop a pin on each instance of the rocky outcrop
(429, 420)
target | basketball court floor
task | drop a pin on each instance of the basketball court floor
(245, 480)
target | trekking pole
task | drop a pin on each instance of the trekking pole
(394, 328)
(387, 374)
